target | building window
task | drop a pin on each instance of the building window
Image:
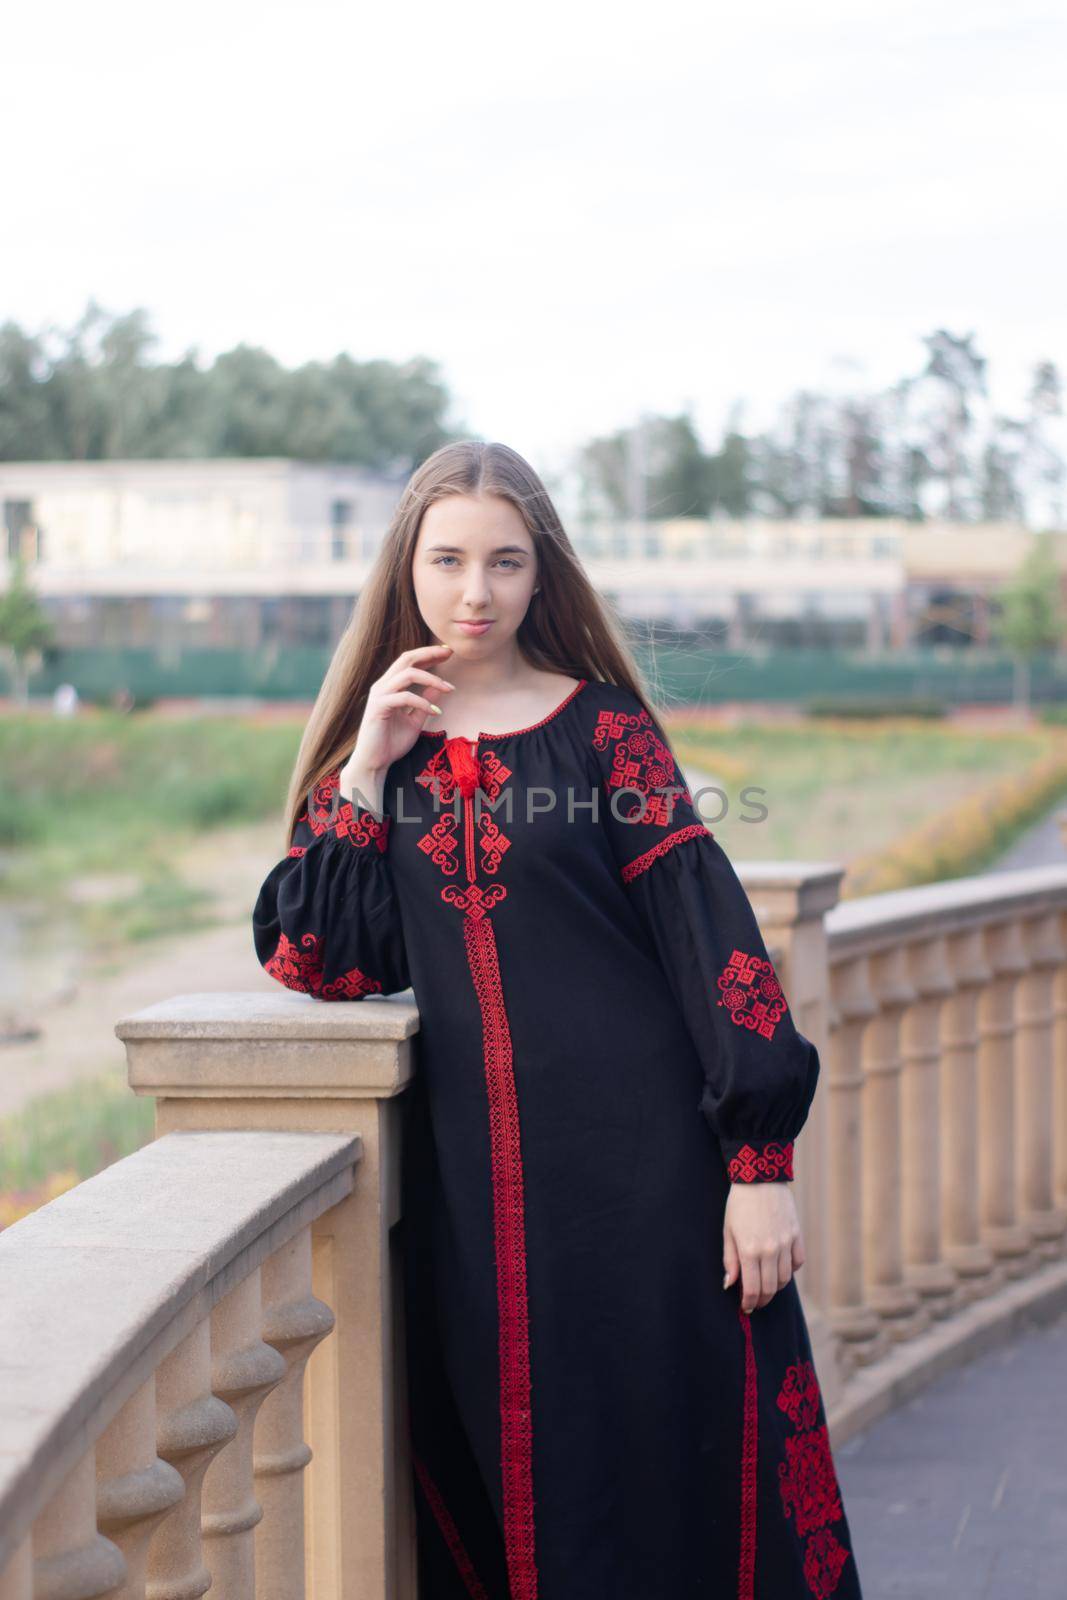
(23, 535)
(342, 515)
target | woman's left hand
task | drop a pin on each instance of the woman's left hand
(761, 1237)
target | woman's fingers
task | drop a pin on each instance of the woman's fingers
(763, 1273)
(406, 697)
(409, 674)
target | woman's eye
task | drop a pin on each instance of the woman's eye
(510, 561)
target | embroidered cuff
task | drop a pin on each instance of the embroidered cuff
(758, 1160)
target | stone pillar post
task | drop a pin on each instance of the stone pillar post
(289, 1061)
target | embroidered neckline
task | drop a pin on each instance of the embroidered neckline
(513, 733)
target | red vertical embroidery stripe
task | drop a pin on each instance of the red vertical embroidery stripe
(449, 1532)
(746, 1570)
(516, 1431)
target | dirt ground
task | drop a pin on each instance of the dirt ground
(76, 1007)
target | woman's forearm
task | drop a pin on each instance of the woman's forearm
(365, 784)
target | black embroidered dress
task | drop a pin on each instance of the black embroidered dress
(604, 1046)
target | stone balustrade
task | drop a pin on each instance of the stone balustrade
(200, 1348)
(155, 1322)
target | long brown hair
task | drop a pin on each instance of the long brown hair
(567, 627)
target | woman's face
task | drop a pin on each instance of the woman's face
(474, 561)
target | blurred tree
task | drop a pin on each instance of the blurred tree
(93, 393)
(24, 631)
(1030, 620)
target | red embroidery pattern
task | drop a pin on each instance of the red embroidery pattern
(808, 1482)
(516, 1428)
(809, 1488)
(640, 760)
(302, 969)
(770, 1161)
(449, 1531)
(751, 993)
(693, 830)
(327, 812)
(362, 827)
(749, 1458)
(442, 775)
(799, 1395)
(823, 1561)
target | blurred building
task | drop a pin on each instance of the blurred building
(239, 554)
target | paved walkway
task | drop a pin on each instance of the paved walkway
(962, 1491)
(1039, 846)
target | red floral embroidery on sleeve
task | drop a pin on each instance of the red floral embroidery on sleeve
(639, 760)
(328, 813)
(751, 993)
(361, 827)
(301, 968)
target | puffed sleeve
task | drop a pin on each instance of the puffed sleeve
(326, 921)
(760, 1072)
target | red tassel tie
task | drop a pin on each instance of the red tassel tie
(464, 764)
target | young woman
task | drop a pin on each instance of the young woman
(609, 1079)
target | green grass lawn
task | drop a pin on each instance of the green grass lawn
(121, 796)
(68, 1136)
(836, 793)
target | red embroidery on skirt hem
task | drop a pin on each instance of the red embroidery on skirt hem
(516, 1426)
(749, 1461)
(807, 1480)
(449, 1532)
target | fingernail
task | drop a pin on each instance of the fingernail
(726, 1281)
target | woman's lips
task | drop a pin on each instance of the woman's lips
(474, 627)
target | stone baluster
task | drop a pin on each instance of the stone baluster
(243, 1371)
(850, 1317)
(920, 1140)
(192, 1427)
(1002, 1231)
(790, 900)
(72, 1561)
(16, 1579)
(294, 1322)
(964, 1250)
(1034, 1079)
(1059, 1071)
(135, 1489)
(895, 1301)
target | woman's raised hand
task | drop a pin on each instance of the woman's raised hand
(395, 713)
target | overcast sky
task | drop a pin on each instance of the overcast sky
(581, 211)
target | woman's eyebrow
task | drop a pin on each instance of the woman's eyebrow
(500, 549)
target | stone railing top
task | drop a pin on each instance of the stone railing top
(790, 891)
(945, 907)
(97, 1286)
(256, 1014)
